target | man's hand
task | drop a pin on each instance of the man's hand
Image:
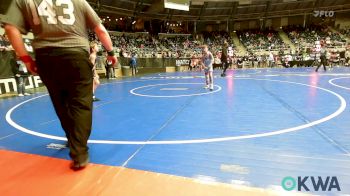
(112, 59)
(106, 41)
(30, 64)
(16, 40)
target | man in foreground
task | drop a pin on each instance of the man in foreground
(62, 60)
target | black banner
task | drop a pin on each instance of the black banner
(155, 62)
(5, 66)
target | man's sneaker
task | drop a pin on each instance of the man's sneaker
(26, 94)
(20, 95)
(206, 86)
(75, 165)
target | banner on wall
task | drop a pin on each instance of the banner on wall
(155, 62)
(7, 81)
(182, 62)
(8, 85)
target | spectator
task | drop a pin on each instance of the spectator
(133, 64)
(21, 75)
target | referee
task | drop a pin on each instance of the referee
(224, 57)
(62, 60)
(323, 57)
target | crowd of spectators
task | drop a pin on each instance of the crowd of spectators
(275, 50)
(346, 32)
(258, 40)
(168, 45)
(263, 47)
(4, 43)
(306, 37)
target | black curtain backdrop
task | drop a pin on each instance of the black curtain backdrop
(5, 66)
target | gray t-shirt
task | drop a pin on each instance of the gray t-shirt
(54, 23)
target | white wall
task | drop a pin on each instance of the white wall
(342, 22)
(284, 21)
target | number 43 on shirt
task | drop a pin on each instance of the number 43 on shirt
(46, 8)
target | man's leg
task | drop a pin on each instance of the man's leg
(69, 81)
(318, 66)
(80, 107)
(107, 72)
(50, 74)
(112, 73)
(224, 66)
(19, 81)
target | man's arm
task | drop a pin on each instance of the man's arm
(17, 43)
(94, 23)
(106, 41)
(16, 40)
(104, 37)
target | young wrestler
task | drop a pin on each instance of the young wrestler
(96, 79)
(207, 63)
